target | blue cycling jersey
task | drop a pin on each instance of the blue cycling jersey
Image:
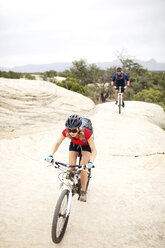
(120, 79)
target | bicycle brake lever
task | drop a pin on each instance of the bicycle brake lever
(56, 165)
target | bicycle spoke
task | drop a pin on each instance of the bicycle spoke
(62, 216)
(60, 219)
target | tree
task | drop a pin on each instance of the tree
(95, 82)
(80, 71)
(94, 74)
(49, 75)
(87, 75)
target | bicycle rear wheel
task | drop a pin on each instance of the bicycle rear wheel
(60, 220)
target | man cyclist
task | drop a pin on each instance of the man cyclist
(119, 78)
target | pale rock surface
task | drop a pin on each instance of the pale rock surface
(126, 201)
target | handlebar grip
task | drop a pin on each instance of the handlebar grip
(49, 159)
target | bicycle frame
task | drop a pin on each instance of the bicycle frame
(67, 184)
(120, 98)
(71, 185)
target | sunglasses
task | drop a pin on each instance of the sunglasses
(72, 130)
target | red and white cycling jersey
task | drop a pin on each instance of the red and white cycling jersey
(78, 141)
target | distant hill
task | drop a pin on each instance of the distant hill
(151, 65)
(31, 68)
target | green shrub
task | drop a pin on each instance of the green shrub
(73, 85)
(152, 96)
(29, 76)
(11, 74)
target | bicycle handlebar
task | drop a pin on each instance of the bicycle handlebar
(120, 86)
(57, 164)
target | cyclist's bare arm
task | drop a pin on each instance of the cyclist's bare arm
(57, 144)
(93, 149)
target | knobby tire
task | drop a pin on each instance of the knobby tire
(60, 220)
(119, 105)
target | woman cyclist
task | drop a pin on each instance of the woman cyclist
(80, 137)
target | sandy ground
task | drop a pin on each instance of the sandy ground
(126, 201)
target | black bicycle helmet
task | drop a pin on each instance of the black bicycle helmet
(74, 121)
(119, 69)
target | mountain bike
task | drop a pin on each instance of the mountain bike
(119, 98)
(70, 185)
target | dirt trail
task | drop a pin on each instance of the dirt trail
(126, 201)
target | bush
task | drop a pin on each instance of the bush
(149, 96)
(91, 91)
(11, 74)
(73, 85)
(29, 76)
(152, 96)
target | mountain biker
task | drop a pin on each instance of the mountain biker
(119, 78)
(76, 133)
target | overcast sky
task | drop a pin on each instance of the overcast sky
(48, 31)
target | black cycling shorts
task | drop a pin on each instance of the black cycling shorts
(77, 148)
(122, 87)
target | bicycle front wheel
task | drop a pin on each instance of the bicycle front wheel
(119, 105)
(60, 220)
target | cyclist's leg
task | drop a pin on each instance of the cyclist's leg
(116, 93)
(73, 157)
(84, 175)
(122, 90)
(123, 96)
(73, 153)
